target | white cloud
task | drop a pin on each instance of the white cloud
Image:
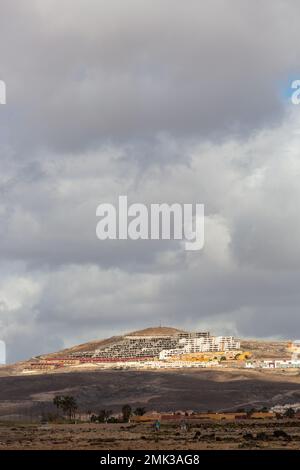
(169, 103)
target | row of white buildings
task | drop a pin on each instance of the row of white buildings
(201, 342)
(159, 347)
(273, 364)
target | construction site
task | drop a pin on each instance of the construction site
(155, 351)
(169, 350)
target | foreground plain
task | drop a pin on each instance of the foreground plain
(201, 436)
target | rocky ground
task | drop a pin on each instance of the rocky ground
(283, 434)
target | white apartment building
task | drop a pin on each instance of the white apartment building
(195, 343)
(201, 342)
(131, 347)
(273, 364)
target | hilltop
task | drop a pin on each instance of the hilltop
(96, 344)
(156, 331)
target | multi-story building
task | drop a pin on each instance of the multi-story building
(133, 347)
(137, 347)
(201, 342)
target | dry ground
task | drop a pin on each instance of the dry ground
(201, 435)
(199, 390)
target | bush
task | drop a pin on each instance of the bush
(262, 436)
(290, 413)
(280, 434)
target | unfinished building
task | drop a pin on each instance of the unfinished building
(198, 342)
(148, 347)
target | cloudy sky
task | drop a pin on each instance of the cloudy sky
(165, 102)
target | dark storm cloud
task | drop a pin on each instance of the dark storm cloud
(163, 102)
(80, 73)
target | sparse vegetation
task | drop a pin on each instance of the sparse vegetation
(199, 435)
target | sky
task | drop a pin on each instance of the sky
(164, 102)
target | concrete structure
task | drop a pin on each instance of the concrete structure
(201, 342)
(137, 347)
(161, 346)
(150, 352)
(273, 364)
(281, 409)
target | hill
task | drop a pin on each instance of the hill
(201, 389)
(156, 331)
(93, 345)
(259, 349)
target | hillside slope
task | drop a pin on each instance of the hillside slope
(258, 348)
(93, 345)
(266, 349)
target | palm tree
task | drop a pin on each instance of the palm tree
(69, 406)
(57, 401)
(67, 403)
(104, 415)
(126, 411)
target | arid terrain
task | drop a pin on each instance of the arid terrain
(26, 401)
(199, 390)
(26, 396)
(284, 434)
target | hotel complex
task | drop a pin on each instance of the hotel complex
(200, 342)
(173, 350)
(161, 347)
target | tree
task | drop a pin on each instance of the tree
(104, 415)
(140, 411)
(67, 403)
(264, 409)
(126, 411)
(69, 406)
(112, 419)
(250, 412)
(57, 401)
